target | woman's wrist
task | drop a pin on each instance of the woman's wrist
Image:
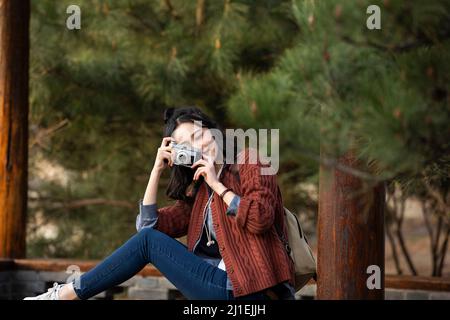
(156, 171)
(218, 187)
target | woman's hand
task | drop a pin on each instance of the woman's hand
(164, 155)
(207, 170)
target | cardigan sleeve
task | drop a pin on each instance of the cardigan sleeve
(256, 211)
(172, 220)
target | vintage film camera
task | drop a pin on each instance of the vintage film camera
(185, 155)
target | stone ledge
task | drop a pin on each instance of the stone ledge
(48, 269)
(148, 294)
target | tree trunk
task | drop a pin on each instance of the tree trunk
(14, 61)
(350, 234)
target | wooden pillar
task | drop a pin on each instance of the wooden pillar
(350, 234)
(14, 62)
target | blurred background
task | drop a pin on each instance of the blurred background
(309, 68)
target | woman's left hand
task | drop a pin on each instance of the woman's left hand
(207, 170)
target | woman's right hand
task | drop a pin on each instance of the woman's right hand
(164, 155)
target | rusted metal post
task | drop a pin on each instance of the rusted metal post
(350, 234)
(14, 61)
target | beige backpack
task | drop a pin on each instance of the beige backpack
(299, 250)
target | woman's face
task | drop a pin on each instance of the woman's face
(197, 137)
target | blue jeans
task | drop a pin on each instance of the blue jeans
(191, 275)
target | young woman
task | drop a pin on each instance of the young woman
(231, 214)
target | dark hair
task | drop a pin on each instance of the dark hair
(181, 185)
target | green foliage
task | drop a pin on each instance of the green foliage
(309, 68)
(109, 83)
(384, 93)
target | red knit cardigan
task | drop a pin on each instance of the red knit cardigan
(254, 256)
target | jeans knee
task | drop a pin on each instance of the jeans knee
(147, 232)
(145, 239)
(151, 235)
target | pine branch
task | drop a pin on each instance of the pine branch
(426, 213)
(76, 204)
(399, 209)
(399, 48)
(144, 23)
(443, 207)
(393, 247)
(172, 11)
(44, 133)
(443, 253)
(199, 13)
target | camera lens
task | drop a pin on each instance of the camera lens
(182, 158)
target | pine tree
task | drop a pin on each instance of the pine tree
(97, 96)
(383, 94)
(310, 68)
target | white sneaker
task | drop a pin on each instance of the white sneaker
(51, 294)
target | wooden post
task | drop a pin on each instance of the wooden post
(350, 234)
(14, 62)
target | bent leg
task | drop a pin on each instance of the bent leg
(194, 277)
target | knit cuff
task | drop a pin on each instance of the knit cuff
(243, 210)
(233, 207)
